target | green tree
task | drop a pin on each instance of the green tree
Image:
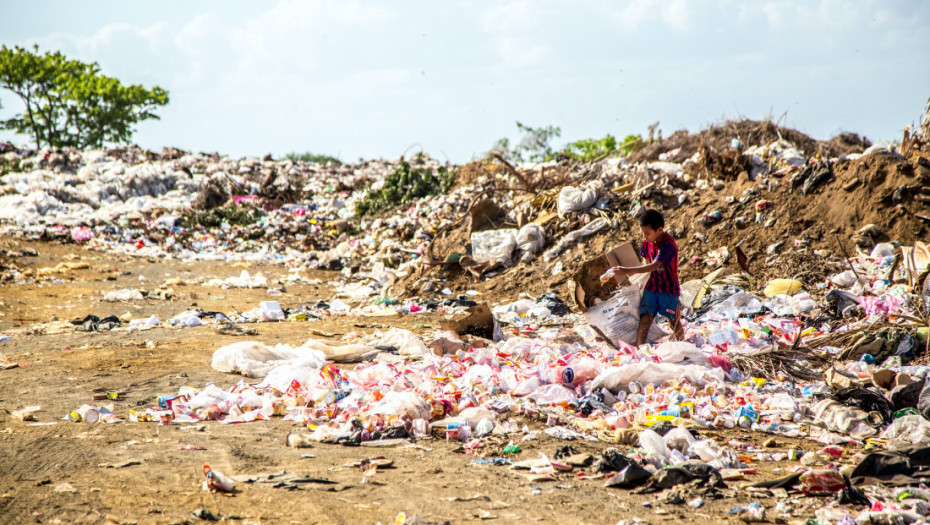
(534, 146)
(70, 103)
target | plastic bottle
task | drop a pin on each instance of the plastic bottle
(570, 376)
(216, 481)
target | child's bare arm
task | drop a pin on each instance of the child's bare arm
(629, 270)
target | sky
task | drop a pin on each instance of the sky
(365, 79)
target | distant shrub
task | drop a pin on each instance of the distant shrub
(590, 149)
(403, 185)
(311, 157)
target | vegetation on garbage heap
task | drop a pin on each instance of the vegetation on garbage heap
(69, 103)
(314, 158)
(589, 149)
(403, 185)
(232, 214)
(535, 146)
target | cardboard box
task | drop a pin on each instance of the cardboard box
(587, 279)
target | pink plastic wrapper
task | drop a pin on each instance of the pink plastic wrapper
(720, 362)
(884, 305)
(82, 234)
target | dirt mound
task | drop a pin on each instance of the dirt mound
(719, 136)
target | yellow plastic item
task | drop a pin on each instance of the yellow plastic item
(782, 287)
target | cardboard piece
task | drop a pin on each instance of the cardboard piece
(480, 322)
(587, 279)
(487, 215)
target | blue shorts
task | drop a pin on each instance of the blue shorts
(664, 304)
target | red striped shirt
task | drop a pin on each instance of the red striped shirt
(665, 278)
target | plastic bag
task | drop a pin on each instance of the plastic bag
(653, 444)
(553, 395)
(127, 294)
(405, 341)
(908, 431)
(494, 246)
(782, 287)
(211, 395)
(844, 279)
(619, 377)
(618, 317)
(573, 199)
(271, 311)
(475, 415)
(530, 240)
(882, 250)
(680, 352)
(403, 404)
(679, 439)
(339, 307)
(253, 359)
(847, 420)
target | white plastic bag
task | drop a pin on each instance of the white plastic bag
(253, 359)
(573, 199)
(405, 341)
(618, 317)
(908, 430)
(680, 439)
(403, 404)
(494, 246)
(847, 420)
(553, 395)
(271, 311)
(653, 444)
(127, 294)
(210, 395)
(680, 352)
(618, 378)
(844, 279)
(530, 240)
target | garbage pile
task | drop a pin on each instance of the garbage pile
(803, 285)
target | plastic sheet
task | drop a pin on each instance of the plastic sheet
(494, 246)
(571, 237)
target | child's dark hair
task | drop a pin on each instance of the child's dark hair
(652, 218)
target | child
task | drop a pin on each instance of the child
(662, 289)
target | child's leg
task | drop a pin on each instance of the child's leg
(642, 333)
(677, 329)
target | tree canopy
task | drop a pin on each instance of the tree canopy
(70, 103)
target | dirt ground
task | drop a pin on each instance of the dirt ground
(136, 473)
